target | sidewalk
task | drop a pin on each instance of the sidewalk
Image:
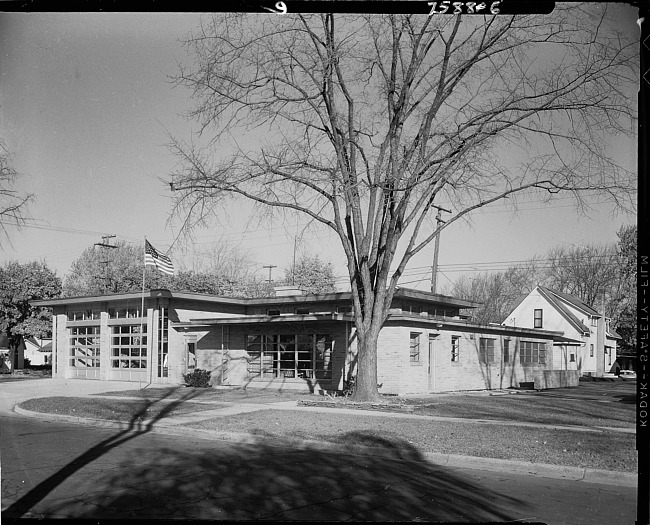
(175, 426)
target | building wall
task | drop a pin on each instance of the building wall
(436, 372)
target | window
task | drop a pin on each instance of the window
(273, 312)
(83, 315)
(572, 358)
(538, 318)
(506, 351)
(415, 310)
(455, 347)
(591, 350)
(608, 351)
(594, 321)
(486, 350)
(84, 346)
(532, 353)
(124, 313)
(343, 309)
(128, 346)
(302, 311)
(304, 356)
(414, 353)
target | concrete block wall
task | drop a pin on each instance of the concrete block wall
(391, 346)
(398, 375)
(557, 379)
(468, 373)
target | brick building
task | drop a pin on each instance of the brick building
(295, 341)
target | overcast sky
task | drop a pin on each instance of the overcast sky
(86, 106)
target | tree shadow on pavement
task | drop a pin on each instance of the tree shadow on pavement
(203, 479)
(140, 423)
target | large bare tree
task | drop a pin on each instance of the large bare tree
(366, 123)
(13, 204)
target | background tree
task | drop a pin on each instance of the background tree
(497, 292)
(311, 274)
(589, 272)
(603, 276)
(625, 313)
(20, 284)
(365, 123)
(100, 270)
(13, 204)
(230, 270)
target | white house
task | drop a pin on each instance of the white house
(38, 351)
(590, 343)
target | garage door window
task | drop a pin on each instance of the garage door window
(129, 346)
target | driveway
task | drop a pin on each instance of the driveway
(14, 391)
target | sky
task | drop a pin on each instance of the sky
(87, 108)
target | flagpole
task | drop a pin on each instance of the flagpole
(144, 268)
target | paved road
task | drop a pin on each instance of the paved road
(62, 470)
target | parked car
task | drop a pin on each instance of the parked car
(627, 374)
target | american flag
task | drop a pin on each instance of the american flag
(160, 261)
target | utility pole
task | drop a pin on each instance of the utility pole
(270, 267)
(434, 267)
(105, 245)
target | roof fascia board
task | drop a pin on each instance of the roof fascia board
(566, 299)
(559, 306)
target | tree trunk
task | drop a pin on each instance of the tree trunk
(366, 379)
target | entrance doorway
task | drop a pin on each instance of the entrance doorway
(432, 362)
(190, 355)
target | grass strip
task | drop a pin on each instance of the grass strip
(602, 450)
(112, 410)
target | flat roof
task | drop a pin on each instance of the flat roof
(400, 293)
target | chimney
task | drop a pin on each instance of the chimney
(286, 291)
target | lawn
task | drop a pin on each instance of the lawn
(528, 408)
(240, 395)
(606, 450)
(531, 408)
(112, 410)
(602, 449)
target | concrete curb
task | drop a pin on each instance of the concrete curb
(587, 475)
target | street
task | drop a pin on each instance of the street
(62, 470)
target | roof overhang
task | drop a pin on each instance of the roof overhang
(430, 322)
(561, 340)
(262, 319)
(406, 293)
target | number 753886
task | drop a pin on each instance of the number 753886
(457, 8)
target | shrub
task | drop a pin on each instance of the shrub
(198, 379)
(348, 386)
